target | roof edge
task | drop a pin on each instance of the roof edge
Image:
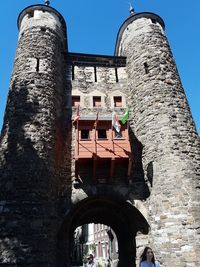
(40, 7)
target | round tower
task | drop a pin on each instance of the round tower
(32, 141)
(161, 120)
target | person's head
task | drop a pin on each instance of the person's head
(148, 255)
(90, 258)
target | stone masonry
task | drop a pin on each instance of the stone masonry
(42, 202)
(30, 168)
(161, 120)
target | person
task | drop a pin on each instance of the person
(91, 262)
(147, 259)
(108, 263)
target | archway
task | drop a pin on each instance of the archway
(120, 215)
(97, 239)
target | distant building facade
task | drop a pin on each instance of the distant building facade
(103, 244)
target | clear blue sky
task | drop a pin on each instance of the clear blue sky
(93, 26)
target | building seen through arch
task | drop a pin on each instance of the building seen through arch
(98, 240)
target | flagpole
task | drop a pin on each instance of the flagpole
(95, 137)
(95, 148)
(112, 138)
(95, 130)
(77, 127)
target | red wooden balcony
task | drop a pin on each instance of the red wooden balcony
(102, 147)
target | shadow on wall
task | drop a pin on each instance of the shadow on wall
(29, 186)
(140, 182)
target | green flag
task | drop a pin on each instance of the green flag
(124, 117)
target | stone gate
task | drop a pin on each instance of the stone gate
(63, 162)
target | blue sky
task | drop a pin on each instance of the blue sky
(93, 26)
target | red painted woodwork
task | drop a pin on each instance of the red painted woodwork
(92, 144)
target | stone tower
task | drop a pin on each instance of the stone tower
(161, 120)
(31, 137)
(150, 197)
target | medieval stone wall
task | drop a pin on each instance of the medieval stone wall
(106, 85)
(161, 120)
(33, 132)
(89, 81)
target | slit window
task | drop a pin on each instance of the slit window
(102, 134)
(117, 101)
(85, 134)
(116, 75)
(75, 101)
(146, 68)
(37, 64)
(72, 72)
(43, 29)
(31, 14)
(96, 101)
(95, 74)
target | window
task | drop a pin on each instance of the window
(72, 72)
(102, 134)
(31, 14)
(75, 101)
(153, 21)
(96, 101)
(85, 134)
(118, 134)
(116, 75)
(37, 64)
(43, 29)
(117, 101)
(146, 68)
(95, 74)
